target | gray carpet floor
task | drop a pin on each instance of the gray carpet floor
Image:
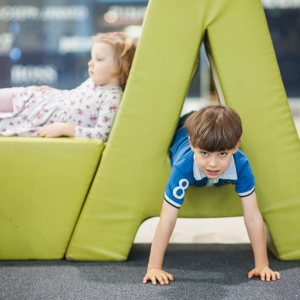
(201, 271)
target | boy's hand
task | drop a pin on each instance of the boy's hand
(157, 274)
(265, 273)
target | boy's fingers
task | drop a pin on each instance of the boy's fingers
(160, 279)
(278, 275)
(250, 274)
(262, 276)
(268, 276)
(274, 276)
(165, 279)
(153, 279)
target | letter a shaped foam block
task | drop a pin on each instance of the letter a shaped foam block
(130, 182)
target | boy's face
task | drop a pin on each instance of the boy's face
(213, 164)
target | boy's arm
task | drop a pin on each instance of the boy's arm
(162, 235)
(255, 227)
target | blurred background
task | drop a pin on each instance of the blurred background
(48, 42)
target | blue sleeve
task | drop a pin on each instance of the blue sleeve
(176, 187)
(246, 183)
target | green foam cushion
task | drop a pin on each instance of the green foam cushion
(130, 182)
(44, 183)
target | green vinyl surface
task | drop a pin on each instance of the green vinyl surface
(130, 182)
(44, 183)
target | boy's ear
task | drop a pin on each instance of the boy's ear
(192, 147)
(236, 148)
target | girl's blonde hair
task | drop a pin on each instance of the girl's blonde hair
(124, 47)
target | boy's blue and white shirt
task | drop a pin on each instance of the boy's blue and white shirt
(185, 172)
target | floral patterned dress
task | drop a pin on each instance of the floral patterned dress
(90, 107)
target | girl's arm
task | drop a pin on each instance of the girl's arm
(163, 233)
(255, 227)
(105, 118)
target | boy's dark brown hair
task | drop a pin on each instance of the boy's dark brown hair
(214, 128)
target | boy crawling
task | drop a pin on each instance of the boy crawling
(205, 152)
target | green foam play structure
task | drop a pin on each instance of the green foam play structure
(44, 183)
(129, 185)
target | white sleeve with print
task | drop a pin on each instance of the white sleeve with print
(107, 109)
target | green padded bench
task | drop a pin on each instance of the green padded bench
(44, 183)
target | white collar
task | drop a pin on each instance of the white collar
(229, 174)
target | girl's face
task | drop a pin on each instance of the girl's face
(102, 65)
